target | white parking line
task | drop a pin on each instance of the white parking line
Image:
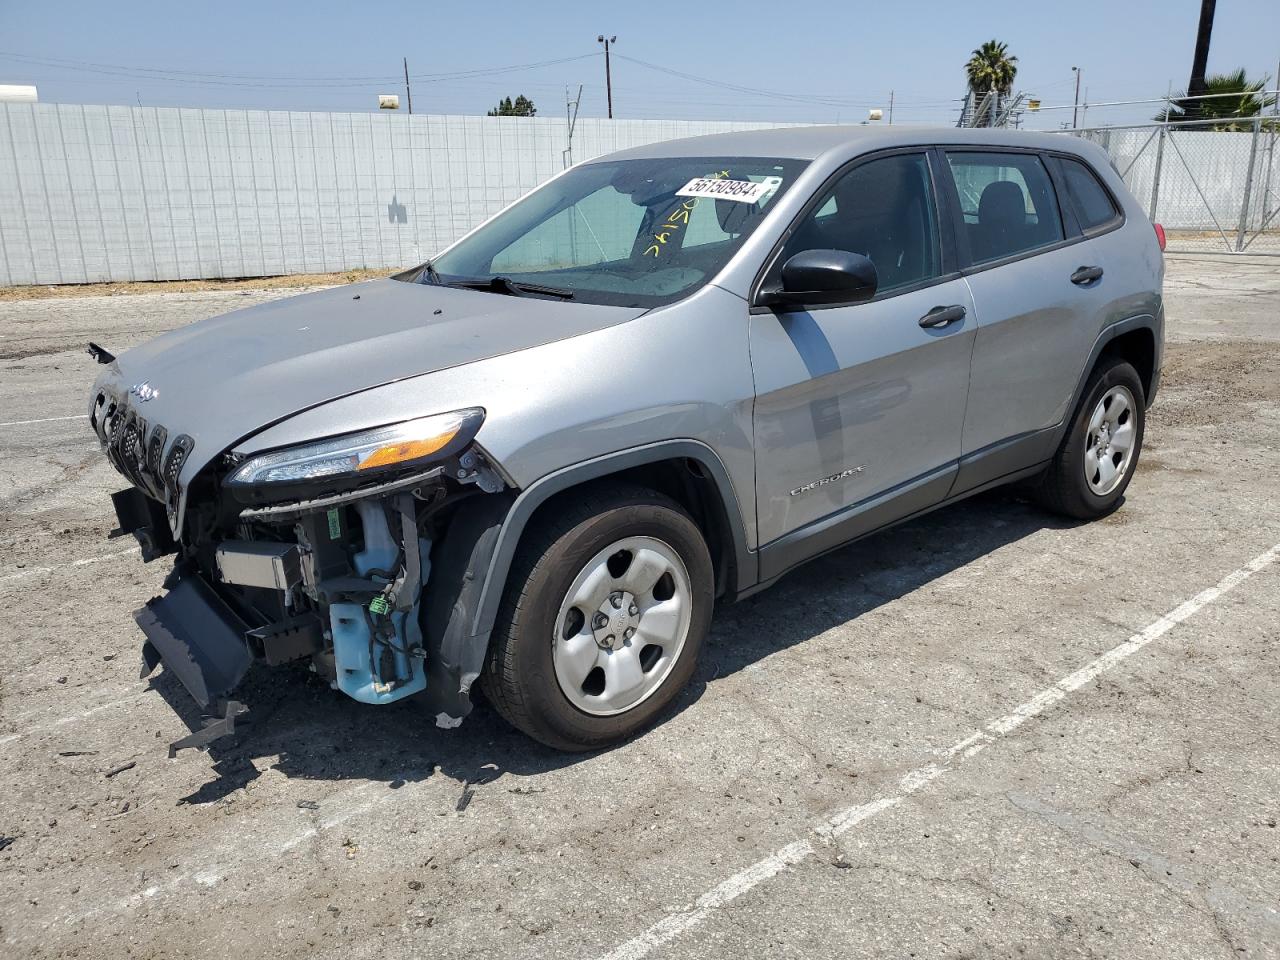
(673, 925)
(84, 562)
(110, 556)
(70, 718)
(23, 423)
(111, 691)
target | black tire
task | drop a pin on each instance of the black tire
(519, 678)
(1064, 488)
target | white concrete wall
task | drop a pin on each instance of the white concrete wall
(93, 193)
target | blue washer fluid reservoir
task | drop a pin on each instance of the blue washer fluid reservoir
(351, 635)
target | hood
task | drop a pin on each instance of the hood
(222, 379)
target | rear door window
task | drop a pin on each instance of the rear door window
(1089, 199)
(1007, 202)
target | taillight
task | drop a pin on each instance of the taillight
(1159, 236)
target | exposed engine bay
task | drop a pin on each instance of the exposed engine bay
(277, 567)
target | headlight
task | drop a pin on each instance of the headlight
(353, 455)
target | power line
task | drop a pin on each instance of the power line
(273, 82)
(86, 64)
(263, 81)
(491, 71)
(777, 94)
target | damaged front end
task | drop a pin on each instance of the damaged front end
(319, 552)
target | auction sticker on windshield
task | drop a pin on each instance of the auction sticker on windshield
(744, 191)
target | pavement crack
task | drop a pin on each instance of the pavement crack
(1171, 771)
(1206, 896)
(69, 474)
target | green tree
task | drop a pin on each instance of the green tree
(992, 65)
(521, 107)
(1241, 100)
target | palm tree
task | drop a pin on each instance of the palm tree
(992, 66)
(1241, 100)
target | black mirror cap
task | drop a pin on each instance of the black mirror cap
(824, 277)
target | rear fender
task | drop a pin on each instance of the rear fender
(1146, 321)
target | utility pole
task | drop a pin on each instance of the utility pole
(1200, 61)
(571, 118)
(891, 108)
(407, 94)
(1075, 107)
(608, 76)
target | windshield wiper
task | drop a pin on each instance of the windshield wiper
(514, 288)
(431, 273)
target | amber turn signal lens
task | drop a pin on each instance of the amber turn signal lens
(394, 453)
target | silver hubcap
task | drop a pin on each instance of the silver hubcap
(622, 625)
(1109, 446)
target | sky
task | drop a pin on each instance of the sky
(818, 61)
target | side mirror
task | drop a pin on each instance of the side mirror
(822, 277)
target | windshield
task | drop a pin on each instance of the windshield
(625, 232)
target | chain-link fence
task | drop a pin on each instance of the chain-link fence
(1213, 190)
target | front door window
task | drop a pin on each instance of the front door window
(883, 210)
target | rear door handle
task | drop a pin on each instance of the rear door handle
(941, 316)
(1086, 275)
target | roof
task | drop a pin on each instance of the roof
(809, 143)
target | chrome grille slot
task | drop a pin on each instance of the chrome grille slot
(101, 405)
(131, 435)
(155, 451)
(110, 424)
(178, 453)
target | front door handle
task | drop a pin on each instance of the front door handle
(941, 316)
(1086, 275)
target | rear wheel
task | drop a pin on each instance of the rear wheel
(603, 617)
(1099, 454)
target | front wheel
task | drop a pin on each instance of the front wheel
(1099, 454)
(603, 617)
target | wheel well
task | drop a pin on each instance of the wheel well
(1138, 348)
(687, 482)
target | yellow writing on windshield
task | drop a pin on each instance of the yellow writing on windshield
(678, 216)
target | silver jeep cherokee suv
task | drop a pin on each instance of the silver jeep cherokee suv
(665, 377)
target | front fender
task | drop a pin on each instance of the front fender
(463, 609)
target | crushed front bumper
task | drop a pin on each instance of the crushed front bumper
(328, 581)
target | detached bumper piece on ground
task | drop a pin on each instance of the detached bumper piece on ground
(201, 641)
